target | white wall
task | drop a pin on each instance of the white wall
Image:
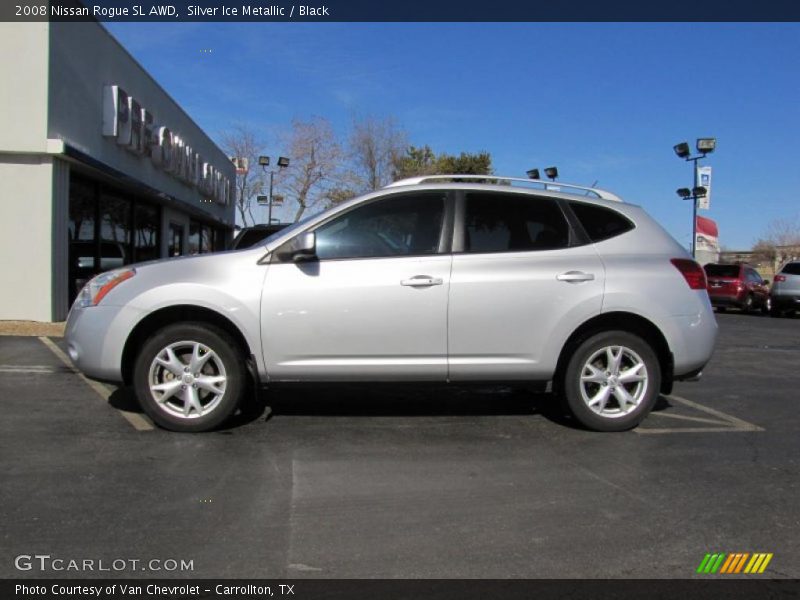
(24, 48)
(26, 208)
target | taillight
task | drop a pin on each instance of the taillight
(779, 278)
(693, 273)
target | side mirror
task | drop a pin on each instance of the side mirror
(299, 248)
(766, 282)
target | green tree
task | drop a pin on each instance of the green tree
(419, 161)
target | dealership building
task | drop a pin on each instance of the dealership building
(100, 167)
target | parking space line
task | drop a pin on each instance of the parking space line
(44, 369)
(726, 422)
(137, 421)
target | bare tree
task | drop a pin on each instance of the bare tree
(243, 142)
(315, 156)
(374, 147)
(780, 241)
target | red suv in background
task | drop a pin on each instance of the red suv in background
(737, 286)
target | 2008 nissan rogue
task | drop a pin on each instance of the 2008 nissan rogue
(433, 279)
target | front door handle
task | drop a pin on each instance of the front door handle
(575, 276)
(422, 281)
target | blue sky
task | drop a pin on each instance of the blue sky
(602, 102)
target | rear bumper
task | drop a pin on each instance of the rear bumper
(785, 301)
(727, 301)
(691, 340)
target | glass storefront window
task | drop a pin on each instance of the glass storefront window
(200, 240)
(175, 239)
(115, 231)
(145, 235)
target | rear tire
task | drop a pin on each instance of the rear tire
(189, 377)
(612, 381)
(748, 305)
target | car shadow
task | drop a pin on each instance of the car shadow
(349, 400)
(411, 401)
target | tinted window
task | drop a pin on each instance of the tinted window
(722, 271)
(513, 223)
(405, 225)
(599, 222)
(791, 269)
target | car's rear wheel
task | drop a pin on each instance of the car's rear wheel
(766, 308)
(612, 381)
(748, 304)
(189, 377)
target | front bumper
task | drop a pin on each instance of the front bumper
(96, 337)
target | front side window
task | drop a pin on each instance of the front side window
(513, 223)
(404, 225)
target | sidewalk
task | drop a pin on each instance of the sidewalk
(32, 328)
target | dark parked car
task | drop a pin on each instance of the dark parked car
(785, 295)
(250, 236)
(737, 286)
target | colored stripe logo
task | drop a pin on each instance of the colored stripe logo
(734, 563)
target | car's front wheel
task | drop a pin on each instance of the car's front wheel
(612, 381)
(189, 377)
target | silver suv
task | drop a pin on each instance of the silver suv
(785, 293)
(444, 279)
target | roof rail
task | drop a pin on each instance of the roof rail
(552, 186)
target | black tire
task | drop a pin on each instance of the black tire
(226, 360)
(615, 418)
(766, 306)
(747, 307)
(721, 309)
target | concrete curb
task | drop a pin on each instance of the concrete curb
(32, 328)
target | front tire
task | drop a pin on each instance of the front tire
(189, 377)
(612, 381)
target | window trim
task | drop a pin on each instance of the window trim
(459, 234)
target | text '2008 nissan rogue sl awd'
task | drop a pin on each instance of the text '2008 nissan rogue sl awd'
(440, 279)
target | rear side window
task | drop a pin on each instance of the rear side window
(731, 271)
(513, 223)
(600, 223)
(791, 269)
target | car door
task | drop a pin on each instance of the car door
(372, 305)
(521, 283)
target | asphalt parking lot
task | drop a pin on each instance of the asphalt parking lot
(360, 482)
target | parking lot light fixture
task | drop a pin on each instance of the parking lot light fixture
(704, 146)
(283, 162)
(551, 172)
(682, 150)
(533, 174)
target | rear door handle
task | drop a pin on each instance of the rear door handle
(575, 276)
(422, 281)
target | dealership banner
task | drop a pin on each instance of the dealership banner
(405, 11)
(704, 180)
(707, 237)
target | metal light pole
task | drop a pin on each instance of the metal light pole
(283, 162)
(704, 146)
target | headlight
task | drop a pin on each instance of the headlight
(94, 291)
